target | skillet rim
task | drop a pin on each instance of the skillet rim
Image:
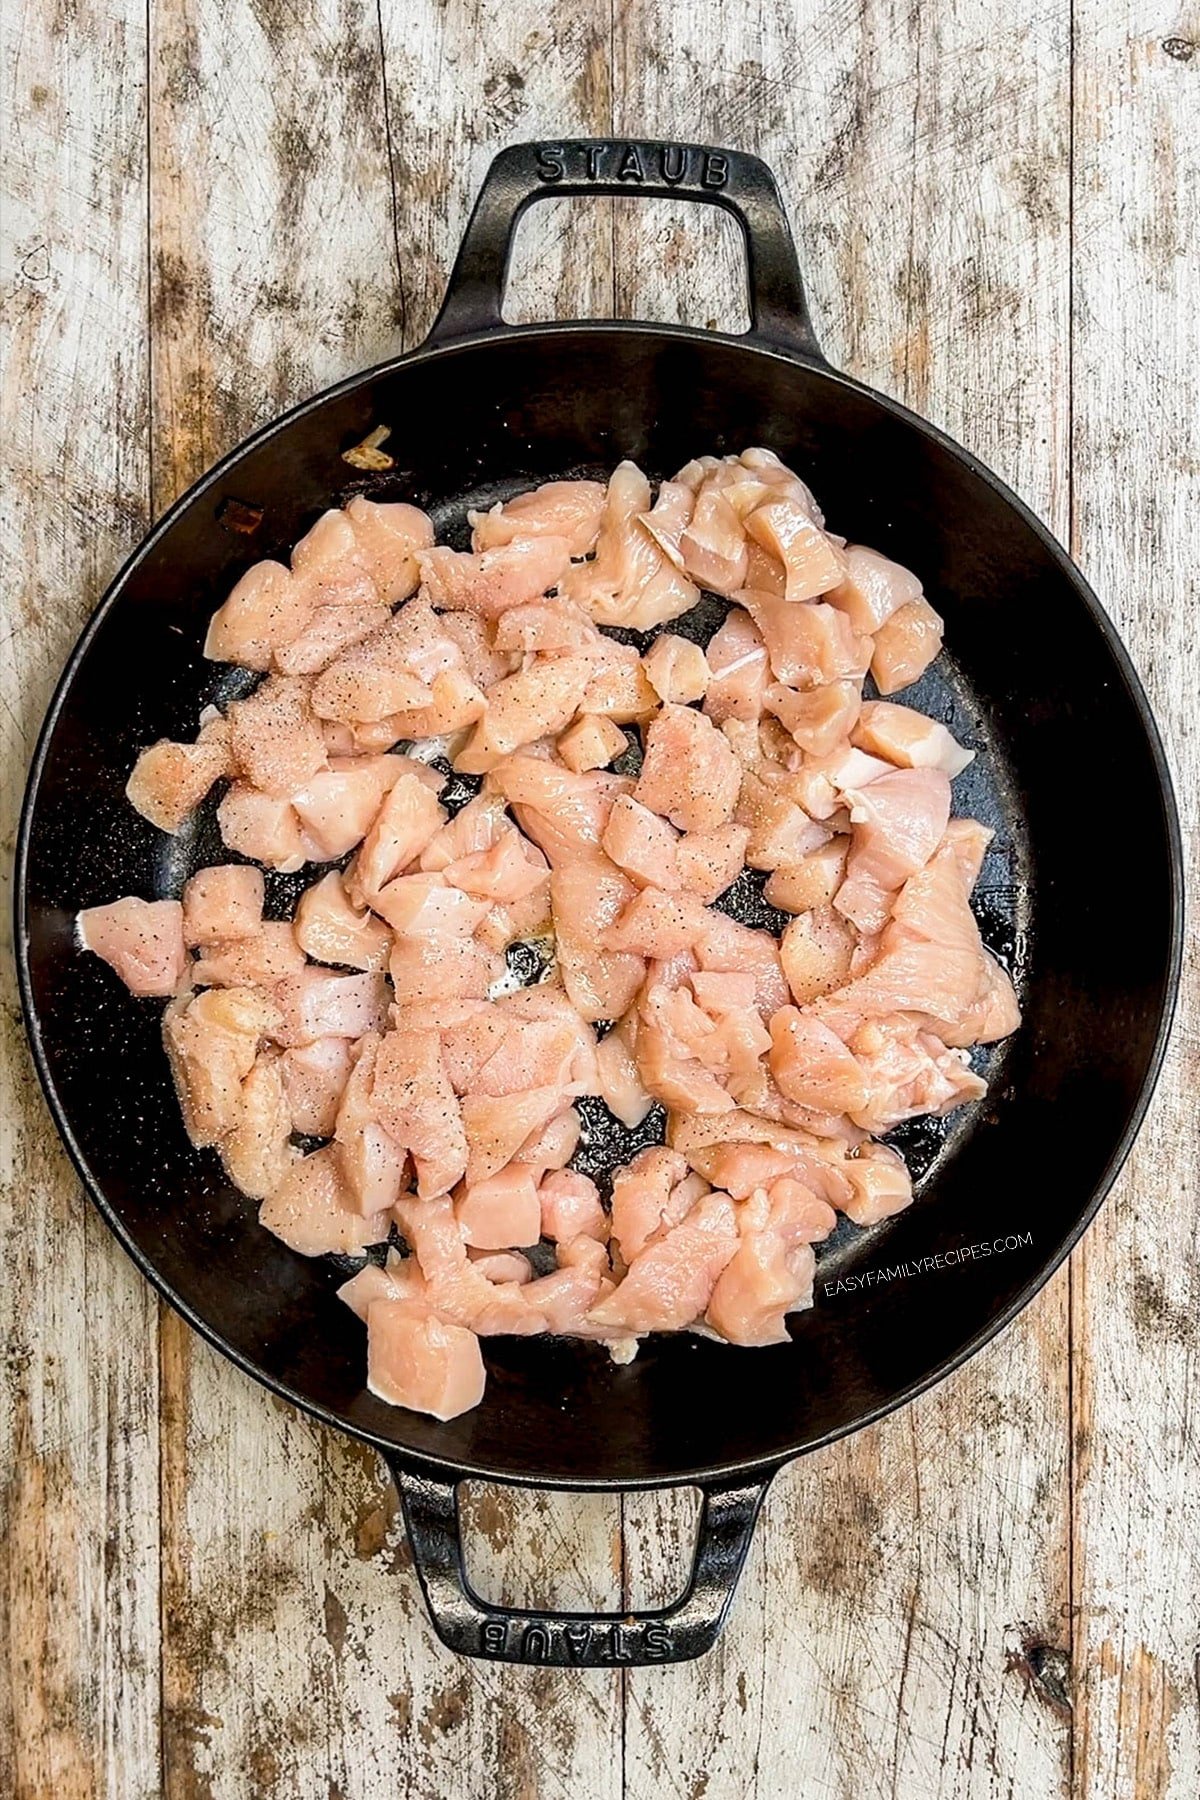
(747, 343)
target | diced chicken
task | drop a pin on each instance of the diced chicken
(631, 580)
(222, 903)
(211, 1041)
(671, 1281)
(267, 608)
(898, 820)
(815, 951)
(142, 940)
(570, 1207)
(475, 638)
(539, 701)
(387, 538)
(170, 780)
(780, 831)
(497, 1126)
(338, 806)
(570, 510)
(404, 825)
(910, 740)
(587, 896)
(373, 1165)
(737, 659)
(689, 774)
(271, 955)
(415, 1359)
(553, 1145)
(619, 689)
(316, 1004)
(392, 672)
(771, 1273)
(667, 519)
(621, 1086)
(434, 954)
(881, 1184)
(314, 1076)
(641, 1198)
(310, 1210)
(641, 843)
(274, 736)
(331, 929)
(393, 1282)
(807, 645)
(501, 1265)
(553, 627)
(491, 581)
(905, 645)
(811, 562)
(264, 826)
(713, 544)
(417, 1106)
(708, 862)
(819, 719)
(501, 1211)
(728, 947)
(873, 589)
(812, 1065)
(909, 1072)
(812, 881)
(564, 813)
(258, 1152)
(677, 669)
(592, 742)
(968, 840)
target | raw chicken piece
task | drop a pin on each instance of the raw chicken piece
(909, 739)
(807, 645)
(772, 1272)
(969, 841)
(314, 1076)
(642, 843)
(780, 831)
(142, 940)
(539, 701)
(545, 1004)
(632, 580)
(331, 929)
(677, 669)
(689, 773)
(346, 617)
(641, 1197)
(707, 862)
(812, 881)
(316, 1004)
(671, 1281)
(264, 826)
(586, 897)
(812, 564)
(485, 664)
(373, 1165)
(737, 658)
(873, 589)
(274, 736)
(908, 1071)
(621, 1086)
(564, 1298)
(553, 1145)
(170, 780)
(820, 719)
(501, 1265)
(823, 784)
(417, 1107)
(211, 1041)
(510, 871)
(258, 1152)
(667, 519)
(338, 806)
(480, 824)
(501, 1211)
(815, 951)
(657, 924)
(498, 1125)
(434, 954)
(717, 1145)
(404, 825)
(713, 546)
(271, 955)
(565, 814)
(812, 1065)
(221, 903)
(387, 537)
(492, 581)
(591, 742)
(265, 610)
(415, 1359)
(392, 671)
(570, 1207)
(898, 820)
(395, 1281)
(619, 689)
(881, 1183)
(728, 947)
(558, 509)
(310, 1210)
(905, 645)
(552, 626)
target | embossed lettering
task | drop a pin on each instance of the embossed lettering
(550, 162)
(657, 1642)
(674, 163)
(716, 169)
(595, 152)
(616, 1650)
(631, 165)
(578, 1639)
(491, 1638)
(535, 1644)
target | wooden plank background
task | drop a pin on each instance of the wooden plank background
(215, 207)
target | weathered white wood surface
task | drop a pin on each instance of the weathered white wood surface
(997, 1593)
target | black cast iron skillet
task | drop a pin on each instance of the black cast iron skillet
(1080, 896)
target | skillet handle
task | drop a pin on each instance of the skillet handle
(475, 1627)
(739, 183)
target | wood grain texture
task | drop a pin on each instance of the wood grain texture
(78, 1423)
(1137, 1274)
(1000, 234)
